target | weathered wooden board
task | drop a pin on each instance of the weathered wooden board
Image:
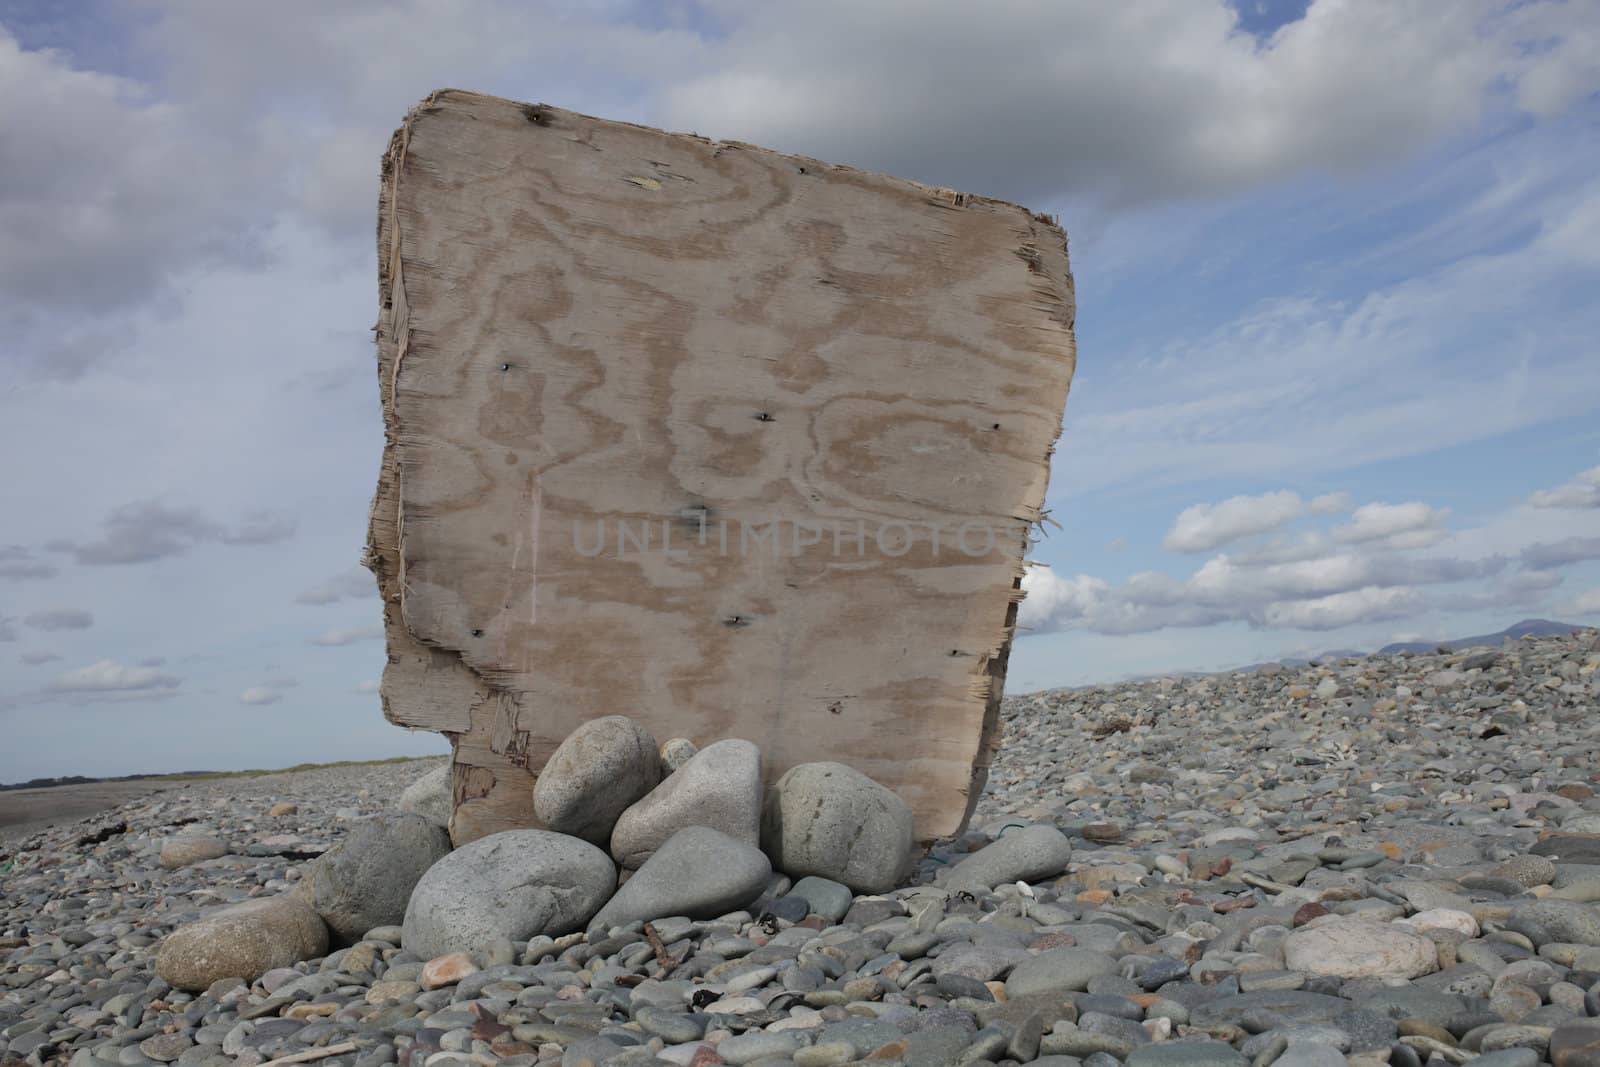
(738, 443)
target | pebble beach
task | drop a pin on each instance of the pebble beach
(1386, 859)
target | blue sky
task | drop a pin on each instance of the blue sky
(1336, 264)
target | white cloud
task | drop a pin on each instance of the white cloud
(1582, 492)
(60, 619)
(1054, 601)
(108, 676)
(1410, 525)
(356, 583)
(1584, 604)
(1313, 594)
(368, 686)
(1368, 604)
(1202, 527)
(1331, 503)
(259, 696)
(348, 635)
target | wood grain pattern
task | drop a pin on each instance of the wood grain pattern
(737, 443)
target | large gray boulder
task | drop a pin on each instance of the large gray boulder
(719, 787)
(602, 767)
(366, 880)
(512, 885)
(697, 872)
(429, 796)
(833, 821)
(243, 941)
(1023, 854)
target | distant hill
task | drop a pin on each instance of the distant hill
(1525, 628)
(200, 776)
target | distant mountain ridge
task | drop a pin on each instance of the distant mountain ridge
(1525, 628)
(1517, 630)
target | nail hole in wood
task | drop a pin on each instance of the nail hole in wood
(477, 633)
(764, 416)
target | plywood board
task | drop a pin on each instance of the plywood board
(738, 443)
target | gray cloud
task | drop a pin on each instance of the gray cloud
(8, 632)
(149, 530)
(153, 661)
(37, 656)
(60, 619)
(19, 563)
(1548, 554)
(356, 583)
(1520, 590)
(1131, 103)
(109, 188)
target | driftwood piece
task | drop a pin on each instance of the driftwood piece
(737, 443)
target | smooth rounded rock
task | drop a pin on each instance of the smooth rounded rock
(675, 752)
(831, 820)
(827, 898)
(366, 880)
(1021, 854)
(1575, 1046)
(1186, 1054)
(719, 787)
(245, 941)
(1569, 921)
(1449, 919)
(1509, 1057)
(1058, 970)
(185, 849)
(697, 872)
(594, 775)
(514, 884)
(429, 796)
(1352, 948)
(1291, 1005)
